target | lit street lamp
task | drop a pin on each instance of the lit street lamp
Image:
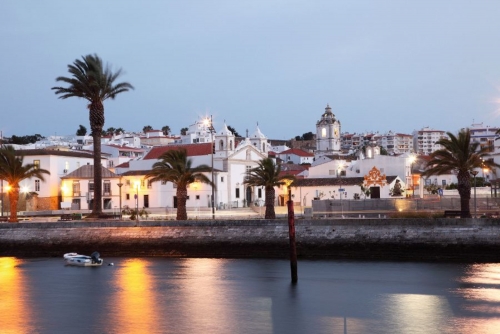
(137, 185)
(209, 123)
(120, 184)
(474, 172)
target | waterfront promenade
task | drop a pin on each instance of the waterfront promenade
(441, 239)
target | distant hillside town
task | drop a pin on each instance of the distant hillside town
(328, 164)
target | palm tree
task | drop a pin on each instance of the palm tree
(461, 156)
(175, 166)
(13, 171)
(268, 175)
(95, 82)
(166, 130)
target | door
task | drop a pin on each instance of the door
(146, 201)
(175, 202)
(248, 196)
(107, 203)
(374, 192)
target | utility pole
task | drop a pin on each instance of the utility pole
(291, 234)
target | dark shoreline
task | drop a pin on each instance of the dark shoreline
(437, 240)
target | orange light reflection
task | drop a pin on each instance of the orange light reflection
(14, 307)
(134, 308)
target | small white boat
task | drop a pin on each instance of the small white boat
(75, 259)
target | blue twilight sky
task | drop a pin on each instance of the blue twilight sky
(381, 64)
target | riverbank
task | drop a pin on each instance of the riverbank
(476, 240)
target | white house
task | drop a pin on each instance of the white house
(77, 188)
(296, 156)
(59, 164)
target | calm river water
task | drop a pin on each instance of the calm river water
(158, 295)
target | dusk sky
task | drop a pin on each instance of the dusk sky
(381, 64)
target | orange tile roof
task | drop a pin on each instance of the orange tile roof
(298, 152)
(192, 150)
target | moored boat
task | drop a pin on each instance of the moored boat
(75, 259)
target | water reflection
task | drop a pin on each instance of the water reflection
(134, 303)
(479, 288)
(156, 295)
(14, 304)
(209, 293)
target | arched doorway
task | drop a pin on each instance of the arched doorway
(248, 196)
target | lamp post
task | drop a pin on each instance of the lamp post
(137, 185)
(120, 185)
(2, 196)
(212, 131)
(474, 172)
(412, 160)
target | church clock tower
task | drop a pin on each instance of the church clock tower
(328, 133)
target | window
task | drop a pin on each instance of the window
(197, 196)
(149, 184)
(107, 188)
(237, 192)
(443, 182)
(163, 182)
(127, 182)
(36, 163)
(127, 196)
(76, 188)
(222, 179)
(323, 132)
(37, 185)
(91, 186)
(248, 172)
(259, 193)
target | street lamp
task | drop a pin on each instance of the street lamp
(137, 185)
(209, 123)
(2, 196)
(474, 172)
(412, 184)
(120, 184)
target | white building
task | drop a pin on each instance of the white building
(232, 161)
(425, 139)
(296, 156)
(59, 164)
(327, 133)
(395, 143)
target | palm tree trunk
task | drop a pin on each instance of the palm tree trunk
(270, 214)
(464, 192)
(181, 202)
(13, 199)
(96, 116)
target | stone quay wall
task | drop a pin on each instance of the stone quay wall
(446, 239)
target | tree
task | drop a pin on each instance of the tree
(119, 130)
(175, 166)
(461, 156)
(268, 175)
(147, 128)
(308, 136)
(184, 131)
(365, 191)
(233, 130)
(82, 131)
(24, 140)
(109, 132)
(14, 171)
(166, 130)
(94, 82)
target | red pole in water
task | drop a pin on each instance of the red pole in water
(291, 234)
